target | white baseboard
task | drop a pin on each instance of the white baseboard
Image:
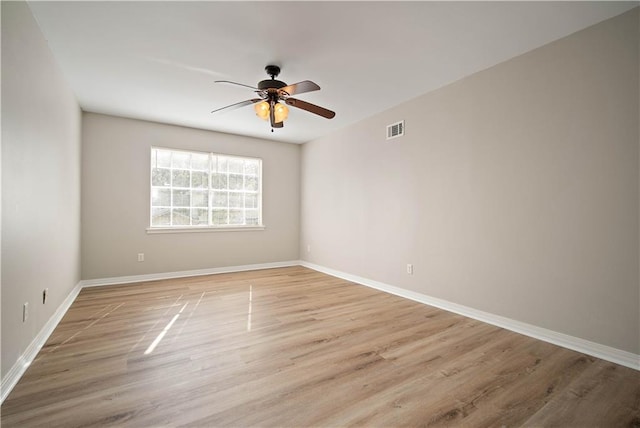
(184, 273)
(27, 357)
(597, 350)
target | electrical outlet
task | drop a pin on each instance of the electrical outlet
(140, 257)
(25, 311)
(45, 293)
(309, 248)
(410, 269)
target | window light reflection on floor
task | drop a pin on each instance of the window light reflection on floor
(164, 331)
(250, 308)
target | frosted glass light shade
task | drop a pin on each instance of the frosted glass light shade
(281, 112)
(262, 110)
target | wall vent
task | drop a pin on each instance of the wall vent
(395, 130)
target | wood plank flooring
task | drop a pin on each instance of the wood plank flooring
(292, 347)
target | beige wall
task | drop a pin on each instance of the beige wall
(40, 182)
(115, 201)
(514, 191)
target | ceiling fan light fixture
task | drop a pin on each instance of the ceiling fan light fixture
(281, 112)
(262, 110)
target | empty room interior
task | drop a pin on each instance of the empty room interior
(320, 214)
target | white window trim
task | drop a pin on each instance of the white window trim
(201, 229)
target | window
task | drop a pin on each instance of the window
(204, 190)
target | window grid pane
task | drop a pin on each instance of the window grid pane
(204, 189)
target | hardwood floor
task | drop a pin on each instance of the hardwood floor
(292, 347)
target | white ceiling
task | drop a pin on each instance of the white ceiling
(158, 60)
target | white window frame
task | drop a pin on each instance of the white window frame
(208, 227)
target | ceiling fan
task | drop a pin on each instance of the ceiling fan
(272, 92)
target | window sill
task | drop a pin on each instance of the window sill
(154, 230)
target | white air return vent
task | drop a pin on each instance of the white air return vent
(395, 130)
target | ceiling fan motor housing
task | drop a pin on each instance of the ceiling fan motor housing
(271, 84)
(273, 71)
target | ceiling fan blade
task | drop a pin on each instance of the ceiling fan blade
(312, 108)
(235, 83)
(300, 87)
(238, 105)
